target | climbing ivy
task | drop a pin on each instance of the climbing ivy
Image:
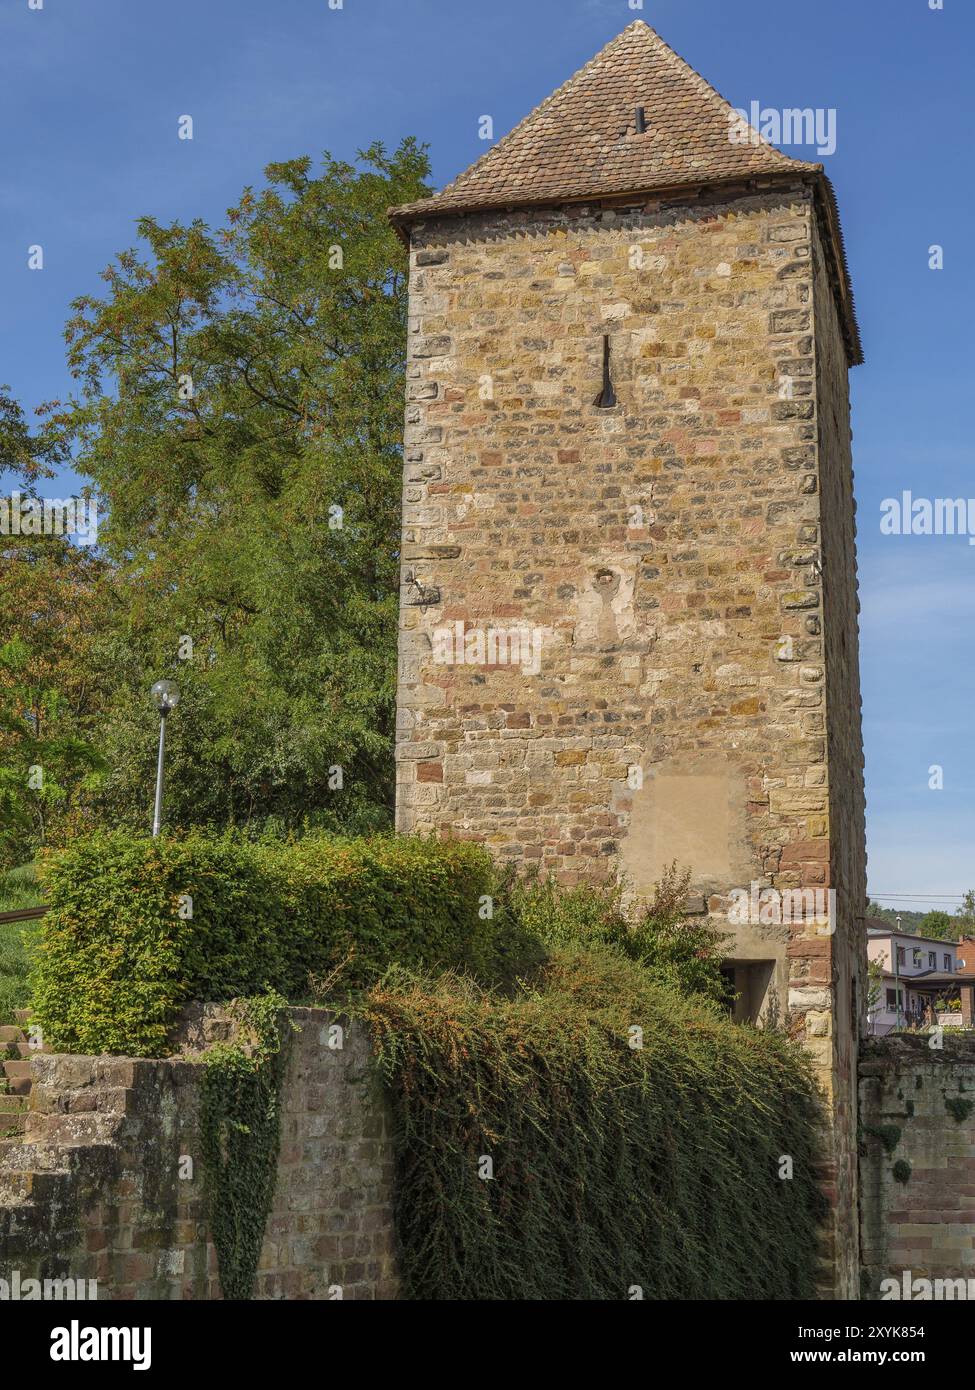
(240, 1123)
(889, 1135)
(594, 1136)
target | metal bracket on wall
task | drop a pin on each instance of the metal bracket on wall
(419, 597)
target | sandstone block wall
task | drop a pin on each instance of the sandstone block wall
(917, 1119)
(838, 1028)
(683, 563)
(99, 1191)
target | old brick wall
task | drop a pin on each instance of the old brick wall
(917, 1120)
(686, 557)
(96, 1192)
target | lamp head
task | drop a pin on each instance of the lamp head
(165, 696)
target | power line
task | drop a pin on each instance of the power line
(922, 897)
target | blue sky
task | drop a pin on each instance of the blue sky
(90, 96)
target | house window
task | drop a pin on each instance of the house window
(901, 958)
(932, 960)
(947, 962)
(916, 956)
(891, 999)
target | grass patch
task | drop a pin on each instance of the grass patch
(17, 940)
(19, 888)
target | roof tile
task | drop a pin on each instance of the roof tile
(582, 140)
(582, 143)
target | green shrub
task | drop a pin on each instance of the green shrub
(683, 953)
(119, 955)
(589, 913)
(615, 1167)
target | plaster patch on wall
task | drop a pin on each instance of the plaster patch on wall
(694, 815)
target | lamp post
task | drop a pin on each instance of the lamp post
(897, 977)
(165, 696)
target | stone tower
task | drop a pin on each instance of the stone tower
(629, 611)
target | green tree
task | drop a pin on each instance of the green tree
(54, 607)
(875, 983)
(44, 762)
(940, 925)
(27, 456)
(965, 916)
(240, 414)
(910, 921)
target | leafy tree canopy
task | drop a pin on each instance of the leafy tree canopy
(939, 924)
(239, 412)
(54, 604)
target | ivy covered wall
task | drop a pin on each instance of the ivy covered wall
(138, 1201)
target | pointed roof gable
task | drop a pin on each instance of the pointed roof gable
(581, 143)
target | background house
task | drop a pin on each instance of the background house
(917, 973)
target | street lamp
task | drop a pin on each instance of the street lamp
(897, 976)
(165, 696)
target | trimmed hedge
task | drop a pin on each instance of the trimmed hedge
(117, 960)
(618, 1172)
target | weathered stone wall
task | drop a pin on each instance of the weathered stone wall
(660, 640)
(845, 947)
(685, 556)
(101, 1190)
(917, 1120)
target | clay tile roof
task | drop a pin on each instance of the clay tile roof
(581, 143)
